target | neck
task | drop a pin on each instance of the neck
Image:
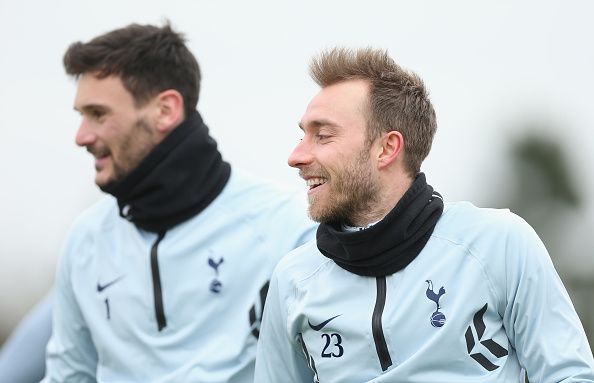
(392, 243)
(389, 195)
(179, 178)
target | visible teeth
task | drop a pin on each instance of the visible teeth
(315, 182)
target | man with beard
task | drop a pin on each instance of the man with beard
(399, 287)
(165, 279)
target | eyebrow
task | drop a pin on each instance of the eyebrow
(90, 107)
(319, 124)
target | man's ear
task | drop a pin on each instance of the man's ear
(170, 110)
(391, 145)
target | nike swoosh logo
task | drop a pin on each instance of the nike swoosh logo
(100, 287)
(320, 326)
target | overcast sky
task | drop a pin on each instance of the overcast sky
(489, 66)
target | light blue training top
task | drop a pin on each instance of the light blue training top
(479, 303)
(214, 272)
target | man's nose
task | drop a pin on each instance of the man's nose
(301, 155)
(84, 135)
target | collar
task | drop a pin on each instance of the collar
(391, 244)
(178, 179)
(345, 227)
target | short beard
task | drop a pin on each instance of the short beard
(355, 191)
(133, 149)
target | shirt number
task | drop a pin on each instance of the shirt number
(336, 349)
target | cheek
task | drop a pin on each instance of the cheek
(334, 165)
(118, 140)
(108, 135)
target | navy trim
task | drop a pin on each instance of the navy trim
(159, 310)
(376, 325)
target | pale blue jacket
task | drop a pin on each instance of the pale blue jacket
(480, 302)
(214, 270)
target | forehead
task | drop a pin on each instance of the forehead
(108, 91)
(342, 104)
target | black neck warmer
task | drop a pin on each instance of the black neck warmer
(178, 179)
(392, 243)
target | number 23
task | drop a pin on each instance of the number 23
(338, 345)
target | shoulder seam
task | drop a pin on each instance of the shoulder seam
(471, 253)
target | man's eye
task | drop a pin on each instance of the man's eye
(97, 114)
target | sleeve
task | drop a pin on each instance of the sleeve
(279, 357)
(539, 317)
(22, 358)
(70, 355)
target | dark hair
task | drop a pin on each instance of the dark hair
(148, 60)
(398, 99)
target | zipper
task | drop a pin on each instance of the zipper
(159, 311)
(310, 360)
(376, 325)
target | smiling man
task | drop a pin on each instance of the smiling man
(116, 132)
(398, 286)
(340, 178)
(164, 279)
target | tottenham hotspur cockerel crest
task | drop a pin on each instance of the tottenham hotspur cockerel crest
(437, 318)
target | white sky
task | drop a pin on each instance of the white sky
(487, 64)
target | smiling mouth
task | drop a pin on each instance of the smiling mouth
(101, 161)
(313, 183)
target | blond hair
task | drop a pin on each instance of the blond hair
(398, 99)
